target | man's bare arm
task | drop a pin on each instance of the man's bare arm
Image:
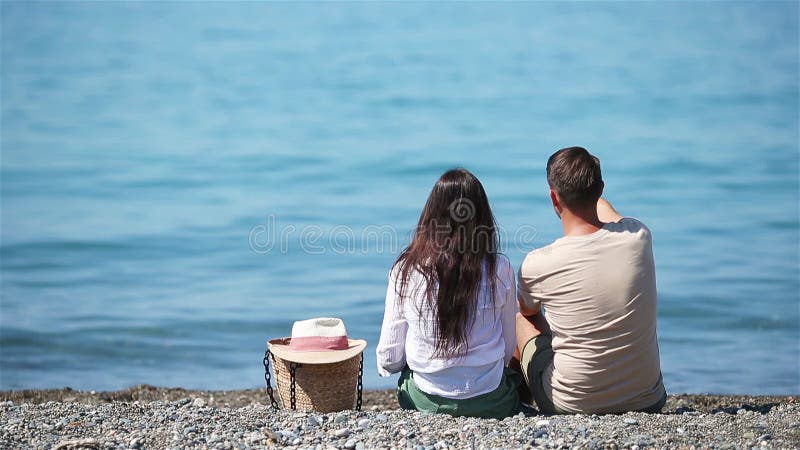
(606, 212)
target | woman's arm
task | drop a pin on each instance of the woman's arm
(510, 309)
(391, 351)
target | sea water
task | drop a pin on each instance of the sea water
(182, 181)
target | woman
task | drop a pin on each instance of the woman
(450, 309)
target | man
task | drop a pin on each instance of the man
(597, 350)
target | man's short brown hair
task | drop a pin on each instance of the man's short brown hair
(574, 174)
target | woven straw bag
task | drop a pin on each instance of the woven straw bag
(319, 387)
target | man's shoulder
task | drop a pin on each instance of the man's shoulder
(538, 259)
(631, 226)
(632, 223)
(542, 252)
(542, 259)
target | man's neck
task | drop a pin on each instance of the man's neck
(580, 223)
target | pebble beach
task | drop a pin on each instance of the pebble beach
(147, 417)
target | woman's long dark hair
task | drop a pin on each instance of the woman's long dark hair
(454, 242)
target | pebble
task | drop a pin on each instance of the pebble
(255, 437)
(284, 434)
(199, 403)
(77, 444)
(178, 424)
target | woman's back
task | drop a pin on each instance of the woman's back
(450, 318)
(489, 345)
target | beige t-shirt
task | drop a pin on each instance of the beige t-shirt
(598, 292)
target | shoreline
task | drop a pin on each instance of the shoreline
(145, 417)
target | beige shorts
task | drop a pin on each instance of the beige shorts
(536, 356)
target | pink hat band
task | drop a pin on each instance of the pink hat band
(319, 335)
(318, 343)
(322, 340)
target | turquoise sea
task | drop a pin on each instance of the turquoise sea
(181, 181)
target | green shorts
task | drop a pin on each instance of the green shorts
(536, 356)
(500, 403)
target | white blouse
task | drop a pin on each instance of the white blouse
(408, 339)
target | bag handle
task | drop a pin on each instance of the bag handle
(267, 378)
(360, 385)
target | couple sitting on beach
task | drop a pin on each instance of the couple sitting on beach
(469, 341)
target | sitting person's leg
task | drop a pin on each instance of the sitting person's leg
(529, 327)
(526, 328)
(523, 391)
(536, 354)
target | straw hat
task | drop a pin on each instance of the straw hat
(317, 341)
(317, 368)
